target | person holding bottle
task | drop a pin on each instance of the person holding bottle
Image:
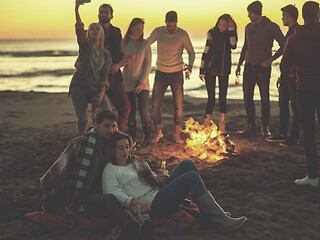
(134, 184)
(216, 62)
(171, 41)
(136, 77)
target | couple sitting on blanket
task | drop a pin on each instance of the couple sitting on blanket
(106, 179)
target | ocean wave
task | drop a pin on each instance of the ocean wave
(58, 72)
(48, 53)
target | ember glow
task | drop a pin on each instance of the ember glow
(205, 142)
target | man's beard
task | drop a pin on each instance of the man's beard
(104, 20)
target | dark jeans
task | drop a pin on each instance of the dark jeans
(309, 102)
(184, 179)
(143, 99)
(252, 75)
(161, 83)
(104, 205)
(211, 89)
(81, 98)
(118, 97)
(287, 93)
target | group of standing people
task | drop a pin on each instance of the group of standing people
(97, 77)
(298, 85)
(103, 52)
(106, 178)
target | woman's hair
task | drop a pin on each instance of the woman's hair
(102, 39)
(225, 17)
(133, 23)
(116, 137)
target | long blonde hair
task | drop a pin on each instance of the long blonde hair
(102, 38)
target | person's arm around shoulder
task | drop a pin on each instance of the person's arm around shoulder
(153, 36)
(278, 36)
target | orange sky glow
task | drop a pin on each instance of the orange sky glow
(42, 19)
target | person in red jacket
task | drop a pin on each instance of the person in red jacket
(302, 51)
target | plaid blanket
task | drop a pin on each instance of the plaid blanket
(63, 183)
(187, 216)
(53, 183)
(80, 170)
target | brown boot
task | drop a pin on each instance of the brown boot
(222, 123)
(265, 131)
(249, 131)
(207, 118)
(146, 127)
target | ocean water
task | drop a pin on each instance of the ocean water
(48, 65)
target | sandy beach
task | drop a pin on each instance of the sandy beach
(258, 182)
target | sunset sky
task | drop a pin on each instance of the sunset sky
(55, 18)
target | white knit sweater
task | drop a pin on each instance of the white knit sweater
(170, 49)
(137, 71)
(124, 183)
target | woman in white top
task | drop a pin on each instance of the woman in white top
(134, 184)
(136, 77)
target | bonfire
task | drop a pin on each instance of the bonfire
(206, 142)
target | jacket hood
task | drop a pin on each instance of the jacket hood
(311, 30)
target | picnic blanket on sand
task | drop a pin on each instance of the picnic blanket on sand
(187, 216)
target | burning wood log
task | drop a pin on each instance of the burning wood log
(206, 142)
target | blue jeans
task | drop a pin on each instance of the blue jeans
(81, 98)
(252, 75)
(309, 103)
(211, 89)
(161, 83)
(184, 179)
(143, 100)
(104, 205)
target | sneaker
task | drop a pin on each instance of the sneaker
(289, 142)
(308, 181)
(277, 138)
(265, 131)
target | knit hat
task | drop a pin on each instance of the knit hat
(255, 7)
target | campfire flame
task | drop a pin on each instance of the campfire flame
(205, 142)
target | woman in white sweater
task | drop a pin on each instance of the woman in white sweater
(135, 185)
(136, 77)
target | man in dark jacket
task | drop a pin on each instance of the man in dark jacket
(287, 89)
(302, 51)
(257, 52)
(113, 42)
